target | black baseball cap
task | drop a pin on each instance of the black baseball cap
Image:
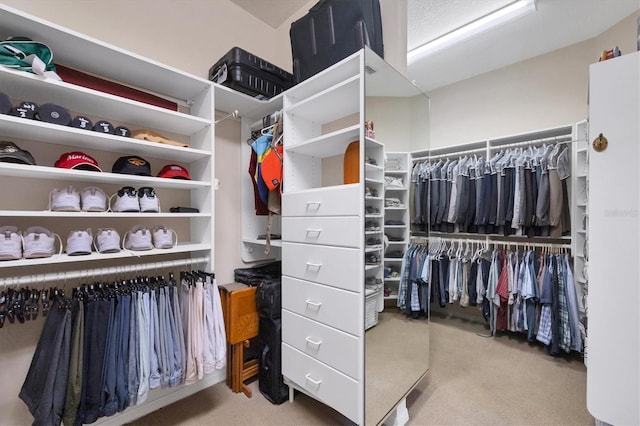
(12, 153)
(132, 165)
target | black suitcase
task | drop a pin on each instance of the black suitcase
(333, 30)
(270, 379)
(255, 275)
(269, 298)
(249, 74)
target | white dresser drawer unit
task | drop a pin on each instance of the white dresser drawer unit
(329, 201)
(334, 266)
(332, 231)
(333, 347)
(322, 382)
(331, 306)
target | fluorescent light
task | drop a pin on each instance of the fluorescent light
(492, 20)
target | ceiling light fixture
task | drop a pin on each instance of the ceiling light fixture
(492, 20)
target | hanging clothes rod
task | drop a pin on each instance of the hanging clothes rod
(450, 155)
(558, 140)
(234, 114)
(486, 241)
(97, 272)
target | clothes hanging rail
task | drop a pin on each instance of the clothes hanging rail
(97, 272)
(450, 155)
(558, 140)
(487, 241)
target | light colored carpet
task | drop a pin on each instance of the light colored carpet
(472, 380)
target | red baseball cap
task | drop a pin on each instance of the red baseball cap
(77, 160)
(174, 171)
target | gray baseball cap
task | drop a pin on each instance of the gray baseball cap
(11, 153)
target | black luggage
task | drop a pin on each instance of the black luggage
(255, 275)
(271, 383)
(333, 30)
(249, 74)
(269, 298)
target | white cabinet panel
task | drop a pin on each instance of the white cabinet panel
(326, 344)
(334, 231)
(337, 308)
(322, 382)
(334, 266)
(332, 201)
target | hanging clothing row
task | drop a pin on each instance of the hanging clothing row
(516, 192)
(520, 291)
(105, 347)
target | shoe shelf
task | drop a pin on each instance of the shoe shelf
(15, 127)
(123, 254)
(103, 215)
(44, 172)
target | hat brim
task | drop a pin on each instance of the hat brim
(17, 159)
(174, 176)
(87, 166)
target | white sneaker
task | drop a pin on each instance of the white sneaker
(10, 243)
(138, 238)
(126, 200)
(107, 241)
(64, 200)
(93, 199)
(79, 243)
(149, 202)
(38, 242)
(163, 237)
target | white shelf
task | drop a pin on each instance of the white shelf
(329, 145)
(371, 249)
(391, 297)
(372, 267)
(395, 226)
(373, 232)
(369, 180)
(373, 216)
(396, 208)
(395, 189)
(123, 254)
(274, 243)
(337, 101)
(373, 198)
(393, 259)
(398, 242)
(395, 172)
(85, 215)
(42, 172)
(392, 279)
(372, 167)
(15, 127)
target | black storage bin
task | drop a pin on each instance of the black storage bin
(249, 74)
(255, 275)
(333, 30)
(270, 379)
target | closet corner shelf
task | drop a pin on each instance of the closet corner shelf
(44, 172)
(371, 267)
(373, 198)
(371, 249)
(123, 254)
(369, 180)
(15, 127)
(373, 216)
(337, 101)
(373, 232)
(328, 145)
(274, 243)
(374, 142)
(373, 166)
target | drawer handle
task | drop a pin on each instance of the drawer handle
(313, 342)
(313, 230)
(315, 382)
(314, 265)
(314, 304)
(313, 203)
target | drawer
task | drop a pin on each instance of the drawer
(331, 306)
(343, 200)
(334, 266)
(331, 231)
(322, 382)
(333, 347)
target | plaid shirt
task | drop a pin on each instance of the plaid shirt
(544, 329)
(565, 331)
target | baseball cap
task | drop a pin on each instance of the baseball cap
(12, 153)
(132, 165)
(77, 160)
(174, 171)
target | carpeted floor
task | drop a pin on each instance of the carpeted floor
(472, 380)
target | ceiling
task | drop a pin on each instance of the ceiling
(555, 24)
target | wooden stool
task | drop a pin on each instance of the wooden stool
(241, 324)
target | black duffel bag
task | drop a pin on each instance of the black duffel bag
(255, 275)
(269, 298)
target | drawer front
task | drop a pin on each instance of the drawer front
(334, 266)
(331, 231)
(333, 201)
(331, 306)
(322, 382)
(333, 347)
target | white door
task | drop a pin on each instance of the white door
(613, 348)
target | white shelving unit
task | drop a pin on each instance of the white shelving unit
(397, 173)
(322, 301)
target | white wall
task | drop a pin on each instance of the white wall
(545, 91)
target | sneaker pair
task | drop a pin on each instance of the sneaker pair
(372, 210)
(33, 243)
(90, 199)
(373, 242)
(371, 226)
(141, 238)
(129, 199)
(372, 259)
(370, 192)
